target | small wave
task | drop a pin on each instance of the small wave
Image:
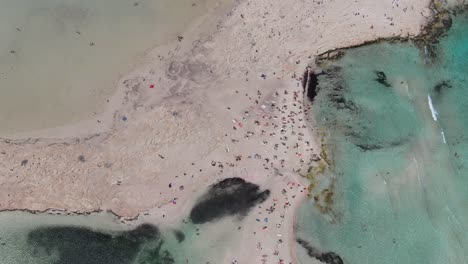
(443, 136)
(434, 112)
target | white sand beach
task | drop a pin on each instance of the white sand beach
(225, 101)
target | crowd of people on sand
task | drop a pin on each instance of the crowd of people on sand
(278, 123)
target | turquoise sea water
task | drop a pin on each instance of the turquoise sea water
(400, 153)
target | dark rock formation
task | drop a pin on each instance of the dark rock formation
(232, 196)
(309, 83)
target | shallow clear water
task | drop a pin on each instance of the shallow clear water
(400, 154)
(60, 59)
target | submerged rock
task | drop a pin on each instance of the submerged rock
(362, 138)
(179, 235)
(441, 86)
(328, 257)
(382, 78)
(232, 196)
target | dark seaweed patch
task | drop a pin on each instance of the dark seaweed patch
(370, 147)
(356, 129)
(77, 245)
(337, 89)
(351, 117)
(441, 86)
(350, 120)
(341, 103)
(232, 196)
(382, 78)
(368, 143)
(328, 257)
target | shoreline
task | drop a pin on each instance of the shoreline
(202, 100)
(436, 26)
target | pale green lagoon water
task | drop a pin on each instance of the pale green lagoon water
(101, 239)
(400, 154)
(60, 59)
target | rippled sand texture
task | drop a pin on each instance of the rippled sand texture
(395, 117)
(59, 60)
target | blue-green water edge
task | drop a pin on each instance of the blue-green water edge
(398, 126)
